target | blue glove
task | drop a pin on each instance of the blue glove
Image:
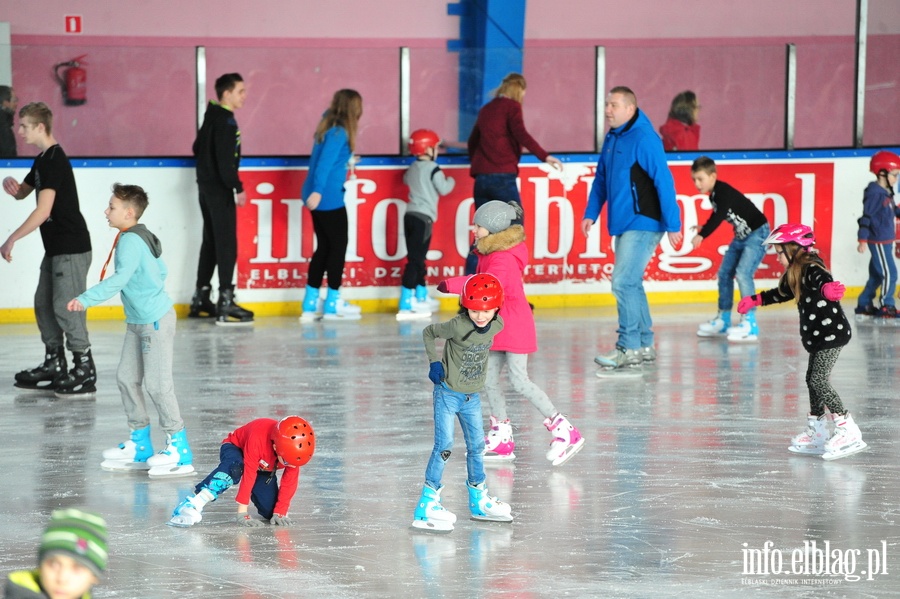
(436, 372)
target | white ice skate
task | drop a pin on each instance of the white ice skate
(812, 440)
(746, 332)
(187, 517)
(846, 440)
(415, 313)
(487, 508)
(717, 327)
(190, 510)
(499, 443)
(430, 514)
(175, 460)
(567, 441)
(130, 455)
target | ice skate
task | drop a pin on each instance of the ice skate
(499, 443)
(487, 508)
(846, 440)
(81, 380)
(865, 313)
(311, 311)
(717, 327)
(229, 313)
(422, 301)
(812, 440)
(190, 510)
(430, 514)
(406, 309)
(336, 309)
(44, 376)
(201, 304)
(648, 354)
(130, 455)
(620, 362)
(746, 332)
(175, 460)
(567, 441)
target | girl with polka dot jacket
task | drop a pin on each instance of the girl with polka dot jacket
(824, 330)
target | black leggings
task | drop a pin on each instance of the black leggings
(332, 238)
(417, 230)
(219, 245)
(821, 393)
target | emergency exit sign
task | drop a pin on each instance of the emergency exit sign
(73, 23)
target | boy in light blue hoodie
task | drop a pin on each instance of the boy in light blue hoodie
(146, 363)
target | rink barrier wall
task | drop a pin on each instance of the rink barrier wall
(822, 188)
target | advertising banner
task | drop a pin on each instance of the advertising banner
(276, 240)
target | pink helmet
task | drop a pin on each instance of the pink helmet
(422, 139)
(792, 233)
(884, 161)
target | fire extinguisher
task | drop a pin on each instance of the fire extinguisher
(73, 81)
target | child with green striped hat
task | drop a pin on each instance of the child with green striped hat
(71, 559)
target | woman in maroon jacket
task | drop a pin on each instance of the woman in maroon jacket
(495, 147)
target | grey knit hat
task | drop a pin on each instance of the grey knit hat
(495, 216)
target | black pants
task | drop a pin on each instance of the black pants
(219, 245)
(332, 238)
(821, 394)
(417, 230)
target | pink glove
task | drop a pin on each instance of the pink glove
(442, 287)
(833, 291)
(748, 303)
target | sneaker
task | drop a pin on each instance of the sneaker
(648, 354)
(620, 358)
(717, 327)
(747, 331)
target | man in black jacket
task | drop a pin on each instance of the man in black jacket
(8, 105)
(218, 152)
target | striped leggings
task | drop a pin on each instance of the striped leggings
(821, 394)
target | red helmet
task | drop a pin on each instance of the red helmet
(884, 161)
(295, 441)
(421, 140)
(481, 292)
(791, 233)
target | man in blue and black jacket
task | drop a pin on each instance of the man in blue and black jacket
(633, 179)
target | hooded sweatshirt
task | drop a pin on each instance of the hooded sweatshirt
(218, 149)
(140, 276)
(876, 225)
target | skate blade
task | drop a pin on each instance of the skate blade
(404, 316)
(309, 318)
(740, 340)
(805, 450)
(853, 449)
(26, 387)
(432, 526)
(123, 466)
(498, 457)
(710, 335)
(234, 323)
(504, 519)
(170, 471)
(626, 372)
(570, 452)
(89, 394)
(180, 522)
(342, 317)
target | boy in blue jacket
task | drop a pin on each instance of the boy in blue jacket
(146, 363)
(876, 231)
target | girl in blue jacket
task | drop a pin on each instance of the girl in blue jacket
(323, 194)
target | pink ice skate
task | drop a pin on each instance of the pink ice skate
(567, 441)
(499, 444)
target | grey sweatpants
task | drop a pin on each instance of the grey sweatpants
(518, 378)
(146, 365)
(62, 278)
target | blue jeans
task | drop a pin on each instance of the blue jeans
(448, 405)
(231, 462)
(740, 262)
(882, 276)
(633, 252)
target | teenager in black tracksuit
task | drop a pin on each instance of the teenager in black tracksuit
(218, 152)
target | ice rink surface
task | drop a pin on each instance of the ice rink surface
(685, 487)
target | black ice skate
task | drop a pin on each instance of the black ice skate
(201, 305)
(229, 313)
(81, 380)
(43, 377)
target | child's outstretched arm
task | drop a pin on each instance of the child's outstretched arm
(453, 284)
